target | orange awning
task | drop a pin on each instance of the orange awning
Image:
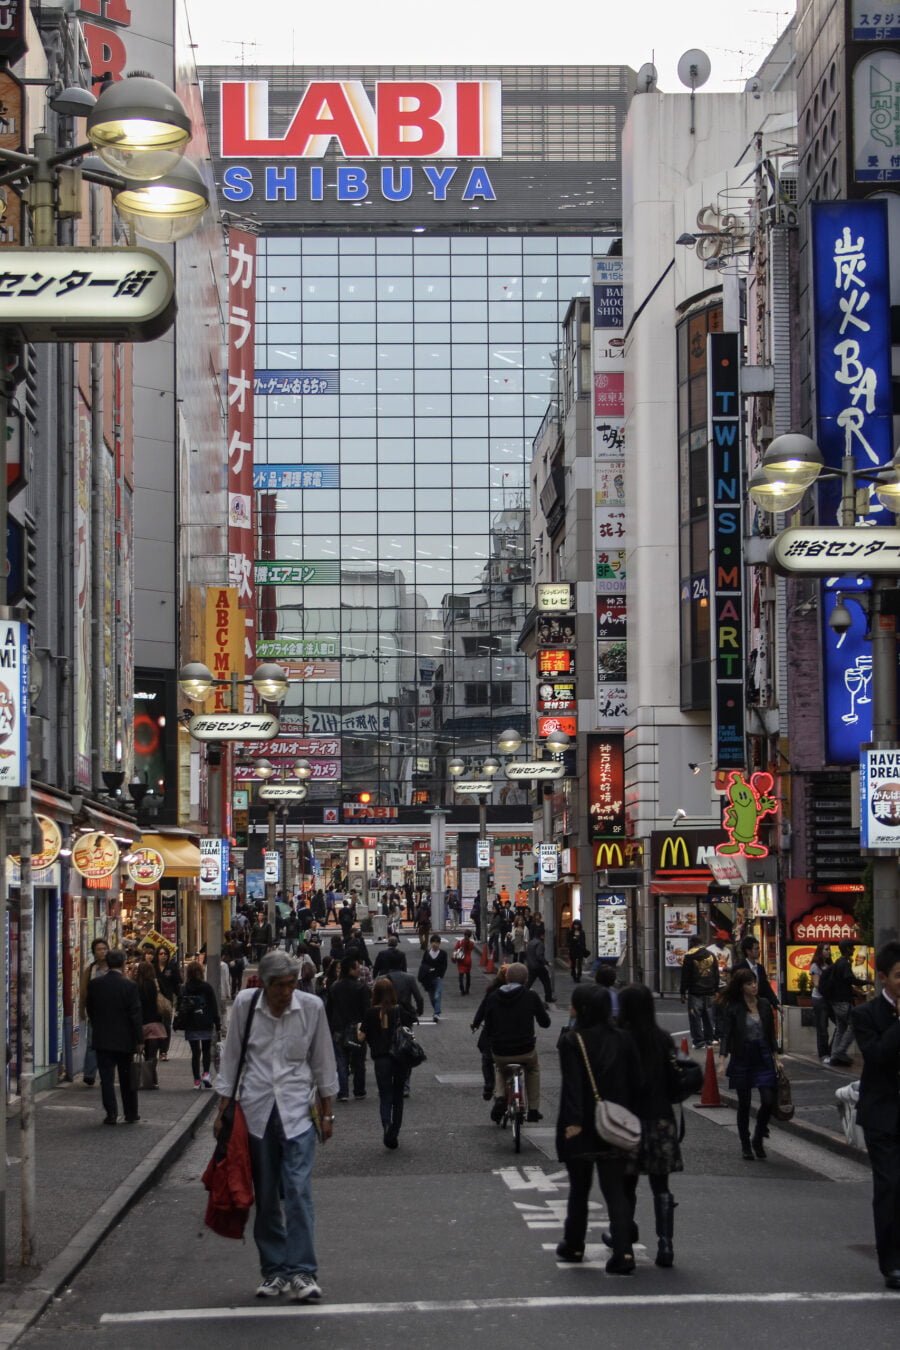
(180, 855)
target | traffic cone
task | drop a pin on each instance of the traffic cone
(483, 958)
(710, 1094)
(490, 968)
(684, 1046)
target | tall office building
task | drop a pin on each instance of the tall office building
(421, 233)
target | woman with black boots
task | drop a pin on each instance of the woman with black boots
(660, 1153)
(578, 949)
(377, 1030)
(748, 1038)
(595, 1052)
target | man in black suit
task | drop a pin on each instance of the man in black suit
(114, 1008)
(750, 961)
(877, 1028)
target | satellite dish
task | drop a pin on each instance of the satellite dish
(648, 78)
(694, 69)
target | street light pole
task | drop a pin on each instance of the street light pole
(271, 852)
(214, 928)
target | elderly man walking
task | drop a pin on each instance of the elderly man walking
(289, 1060)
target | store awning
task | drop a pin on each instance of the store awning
(680, 886)
(181, 856)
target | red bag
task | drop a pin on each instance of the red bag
(228, 1177)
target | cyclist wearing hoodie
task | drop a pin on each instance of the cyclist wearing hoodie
(509, 1017)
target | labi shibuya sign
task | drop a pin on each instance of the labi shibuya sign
(403, 120)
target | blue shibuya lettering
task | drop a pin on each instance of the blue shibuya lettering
(396, 183)
(439, 180)
(281, 183)
(352, 184)
(237, 184)
(479, 185)
(388, 187)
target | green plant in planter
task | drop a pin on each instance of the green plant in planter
(803, 983)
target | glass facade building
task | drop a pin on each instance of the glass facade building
(429, 353)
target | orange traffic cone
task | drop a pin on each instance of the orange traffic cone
(684, 1046)
(710, 1094)
(483, 958)
(490, 968)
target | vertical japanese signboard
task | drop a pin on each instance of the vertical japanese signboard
(241, 367)
(606, 786)
(609, 488)
(852, 325)
(726, 580)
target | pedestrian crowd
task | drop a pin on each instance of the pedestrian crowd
(300, 1037)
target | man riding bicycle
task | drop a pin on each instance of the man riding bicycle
(509, 1017)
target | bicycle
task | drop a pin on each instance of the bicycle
(516, 1102)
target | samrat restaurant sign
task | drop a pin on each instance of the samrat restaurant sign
(414, 120)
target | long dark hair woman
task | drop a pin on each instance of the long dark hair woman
(614, 1064)
(199, 1016)
(748, 1039)
(377, 1031)
(154, 1031)
(660, 1154)
(821, 1010)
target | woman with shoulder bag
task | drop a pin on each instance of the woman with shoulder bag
(748, 1039)
(154, 1031)
(592, 1053)
(168, 978)
(660, 1153)
(198, 1014)
(377, 1029)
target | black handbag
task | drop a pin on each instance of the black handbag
(405, 1049)
(685, 1077)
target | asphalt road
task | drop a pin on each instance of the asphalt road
(451, 1238)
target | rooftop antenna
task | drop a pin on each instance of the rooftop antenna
(693, 71)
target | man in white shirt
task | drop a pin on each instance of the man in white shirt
(289, 1060)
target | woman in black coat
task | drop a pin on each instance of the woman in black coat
(748, 1038)
(198, 1018)
(578, 949)
(168, 978)
(660, 1153)
(616, 1070)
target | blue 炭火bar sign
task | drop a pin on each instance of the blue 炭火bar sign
(852, 325)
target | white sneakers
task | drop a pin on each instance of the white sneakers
(302, 1287)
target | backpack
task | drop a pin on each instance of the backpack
(826, 983)
(191, 1013)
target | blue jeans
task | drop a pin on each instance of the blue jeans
(698, 1016)
(283, 1229)
(435, 990)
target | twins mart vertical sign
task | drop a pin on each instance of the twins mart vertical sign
(852, 326)
(241, 370)
(726, 580)
(13, 703)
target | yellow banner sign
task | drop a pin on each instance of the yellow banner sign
(223, 648)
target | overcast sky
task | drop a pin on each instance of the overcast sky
(736, 36)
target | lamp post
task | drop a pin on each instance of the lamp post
(284, 791)
(509, 743)
(792, 464)
(196, 681)
(141, 117)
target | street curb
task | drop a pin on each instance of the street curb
(33, 1300)
(813, 1134)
